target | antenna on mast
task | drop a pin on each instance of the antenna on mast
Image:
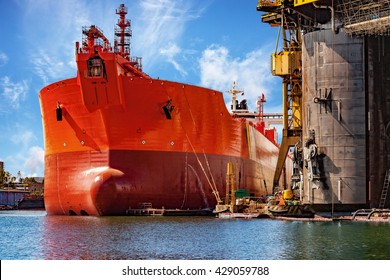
(260, 106)
(234, 91)
(123, 33)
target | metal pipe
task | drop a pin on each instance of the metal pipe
(359, 211)
(332, 13)
(377, 211)
(339, 189)
(339, 110)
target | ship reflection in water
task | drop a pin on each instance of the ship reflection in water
(33, 235)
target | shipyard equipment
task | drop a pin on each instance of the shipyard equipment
(335, 91)
(287, 65)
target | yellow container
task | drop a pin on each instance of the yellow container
(284, 63)
(303, 2)
(288, 194)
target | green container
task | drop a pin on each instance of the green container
(240, 193)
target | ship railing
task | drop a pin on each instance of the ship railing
(145, 205)
(137, 61)
(121, 9)
(100, 43)
(244, 114)
(126, 31)
(370, 212)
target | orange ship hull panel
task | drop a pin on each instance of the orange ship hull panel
(200, 121)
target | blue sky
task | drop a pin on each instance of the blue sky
(209, 43)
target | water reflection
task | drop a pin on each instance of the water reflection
(155, 238)
(339, 240)
(92, 238)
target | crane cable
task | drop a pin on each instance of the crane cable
(212, 184)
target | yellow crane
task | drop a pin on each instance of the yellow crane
(286, 64)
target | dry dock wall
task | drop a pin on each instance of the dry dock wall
(333, 71)
(350, 77)
(377, 84)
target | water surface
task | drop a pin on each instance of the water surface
(33, 235)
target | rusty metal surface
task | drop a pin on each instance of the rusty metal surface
(333, 67)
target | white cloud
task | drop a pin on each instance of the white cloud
(21, 135)
(21, 147)
(171, 52)
(252, 73)
(13, 92)
(52, 36)
(3, 58)
(49, 68)
(29, 161)
(34, 163)
(159, 27)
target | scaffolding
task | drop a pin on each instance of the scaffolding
(365, 17)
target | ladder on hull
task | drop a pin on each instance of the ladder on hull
(384, 190)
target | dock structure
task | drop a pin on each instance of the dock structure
(9, 198)
(333, 59)
(147, 209)
(374, 213)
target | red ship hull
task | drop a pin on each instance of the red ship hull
(166, 180)
(115, 138)
(109, 159)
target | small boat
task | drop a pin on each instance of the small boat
(278, 210)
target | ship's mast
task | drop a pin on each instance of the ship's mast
(123, 33)
(234, 91)
(260, 107)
